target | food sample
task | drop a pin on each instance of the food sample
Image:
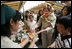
(32, 35)
(23, 39)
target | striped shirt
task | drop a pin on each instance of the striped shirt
(63, 41)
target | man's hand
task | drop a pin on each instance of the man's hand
(52, 45)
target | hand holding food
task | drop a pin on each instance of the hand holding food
(32, 35)
(26, 38)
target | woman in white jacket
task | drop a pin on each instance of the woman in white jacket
(9, 25)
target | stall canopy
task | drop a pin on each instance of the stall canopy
(14, 4)
(34, 5)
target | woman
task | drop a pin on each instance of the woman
(46, 22)
(9, 25)
(40, 13)
(31, 22)
(65, 11)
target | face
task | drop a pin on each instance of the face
(34, 12)
(46, 12)
(41, 12)
(14, 26)
(28, 14)
(31, 19)
(61, 28)
(64, 11)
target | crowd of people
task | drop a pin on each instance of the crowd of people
(53, 29)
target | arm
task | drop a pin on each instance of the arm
(33, 42)
(47, 29)
(22, 44)
(53, 20)
(52, 45)
(41, 31)
(37, 25)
